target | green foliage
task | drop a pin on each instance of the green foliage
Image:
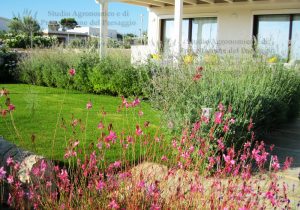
(112, 75)
(8, 62)
(26, 25)
(268, 93)
(68, 23)
(24, 41)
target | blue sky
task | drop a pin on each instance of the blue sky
(123, 17)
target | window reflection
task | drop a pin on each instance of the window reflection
(295, 44)
(273, 35)
(204, 33)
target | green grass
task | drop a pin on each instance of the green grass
(38, 108)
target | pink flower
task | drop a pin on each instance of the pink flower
(275, 163)
(221, 107)
(220, 144)
(113, 205)
(136, 102)
(3, 112)
(197, 77)
(11, 107)
(10, 179)
(226, 128)
(232, 120)
(129, 139)
(111, 137)
(72, 72)
(141, 113)
(2, 173)
(218, 117)
(100, 126)
(9, 161)
(117, 164)
(89, 105)
(250, 126)
(63, 175)
(138, 131)
(199, 68)
(75, 144)
(99, 145)
(164, 158)
(100, 185)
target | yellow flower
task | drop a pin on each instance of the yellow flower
(211, 58)
(273, 60)
(156, 56)
(188, 59)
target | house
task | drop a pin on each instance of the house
(221, 26)
(4, 24)
(94, 32)
(78, 32)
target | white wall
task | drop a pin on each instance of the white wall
(235, 20)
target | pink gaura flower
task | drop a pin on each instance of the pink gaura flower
(275, 163)
(89, 105)
(2, 173)
(75, 144)
(250, 126)
(287, 163)
(9, 161)
(72, 72)
(99, 145)
(10, 179)
(3, 92)
(141, 113)
(100, 185)
(111, 137)
(138, 131)
(100, 126)
(226, 128)
(11, 107)
(218, 117)
(63, 175)
(129, 139)
(164, 158)
(117, 164)
(232, 120)
(113, 205)
(221, 107)
(136, 102)
(3, 112)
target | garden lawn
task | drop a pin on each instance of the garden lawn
(38, 109)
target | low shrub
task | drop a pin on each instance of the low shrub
(267, 93)
(24, 41)
(112, 75)
(8, 64)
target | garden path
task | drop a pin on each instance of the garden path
(287, 143)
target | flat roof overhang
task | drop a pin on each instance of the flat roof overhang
(166, 3)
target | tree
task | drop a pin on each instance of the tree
(27, 25)
(68, 23)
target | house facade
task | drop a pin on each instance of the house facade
(221, 26)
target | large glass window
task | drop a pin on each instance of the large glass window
(278, 35)
(168, 33)
(204, 33)
(295, 43)
(197, 32)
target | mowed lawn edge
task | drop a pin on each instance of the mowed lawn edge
(38, 108)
